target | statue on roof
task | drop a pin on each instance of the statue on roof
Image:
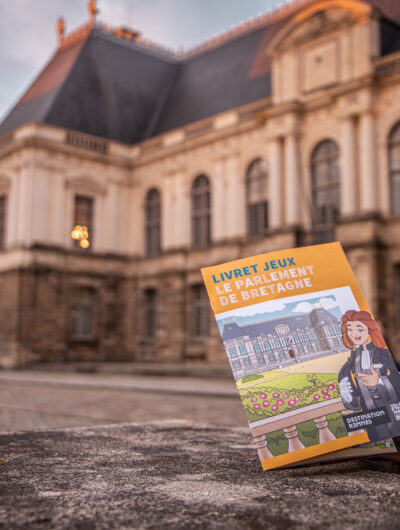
(60, 28)
(93, 11)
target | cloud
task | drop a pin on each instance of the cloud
(303, 307)
(274, 306)
(327, 303)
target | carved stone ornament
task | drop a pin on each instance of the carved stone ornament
(86, 184)
(318, 19)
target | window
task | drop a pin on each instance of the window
(271, 357)
(282, 355)
(82, 314)
(150, 313)
(3, 211)
(309, 347)
(282, 329)
(276, 343)
(152, 223)
(242, 349)
(260, 359)
(83, 215)
(200, 311)
(266, 345)
(236, 364)
(329, 331)
(232, 353)
(397, 297)
(256, 347)
(394, 169)
(247, 362)
(201, 212)
(325, 190)
(257, 198)
(300, 348)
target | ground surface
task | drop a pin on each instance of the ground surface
(179, 475)
(40, 400)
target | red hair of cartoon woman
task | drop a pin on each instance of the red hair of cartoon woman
(365, 318)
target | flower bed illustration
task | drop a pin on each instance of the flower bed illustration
(286, 393)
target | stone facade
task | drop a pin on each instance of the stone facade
(329, 82)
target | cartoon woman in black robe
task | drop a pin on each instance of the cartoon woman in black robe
(369, 379)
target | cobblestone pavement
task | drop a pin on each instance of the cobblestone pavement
(26, 403)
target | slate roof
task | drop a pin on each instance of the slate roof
(102, 85)
(233, 331)
(119, 89)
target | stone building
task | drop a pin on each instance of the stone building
(281, 342)
(284, 131)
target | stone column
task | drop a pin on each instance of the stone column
(348, 184)
(218, 203)
(235, 199)
(26, 201)
(275, 183)
(367, 161)
(182, 211)
(167, 213)
(292, 184)
(12, 212)
(60, 235)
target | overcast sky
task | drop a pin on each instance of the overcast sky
(28, 38)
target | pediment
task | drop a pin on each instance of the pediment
(86, 184)
(316, 20)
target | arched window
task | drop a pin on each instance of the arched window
(325, 190)
(394, 169)
(3, 212)
(153, 222)
(257, 198)
(201, 212)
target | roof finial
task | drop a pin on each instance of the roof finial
(91, 5)
(60, 28)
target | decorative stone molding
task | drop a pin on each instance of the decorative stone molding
(86, 184)
(318, 19)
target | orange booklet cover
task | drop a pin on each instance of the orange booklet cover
(312, 369)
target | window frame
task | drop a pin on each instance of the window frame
(394, 174)
(3, 220)
(79, 218)
(201, 211)
(150, 313)
(152, 223)
(200, 325)
(257, 209)
(325, 213)
(79, 306)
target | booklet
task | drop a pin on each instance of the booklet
(312, 369)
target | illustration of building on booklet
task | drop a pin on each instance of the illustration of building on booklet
(311, 367)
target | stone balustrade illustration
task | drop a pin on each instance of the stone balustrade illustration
(288, 422)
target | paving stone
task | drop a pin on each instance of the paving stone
(179, 475)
